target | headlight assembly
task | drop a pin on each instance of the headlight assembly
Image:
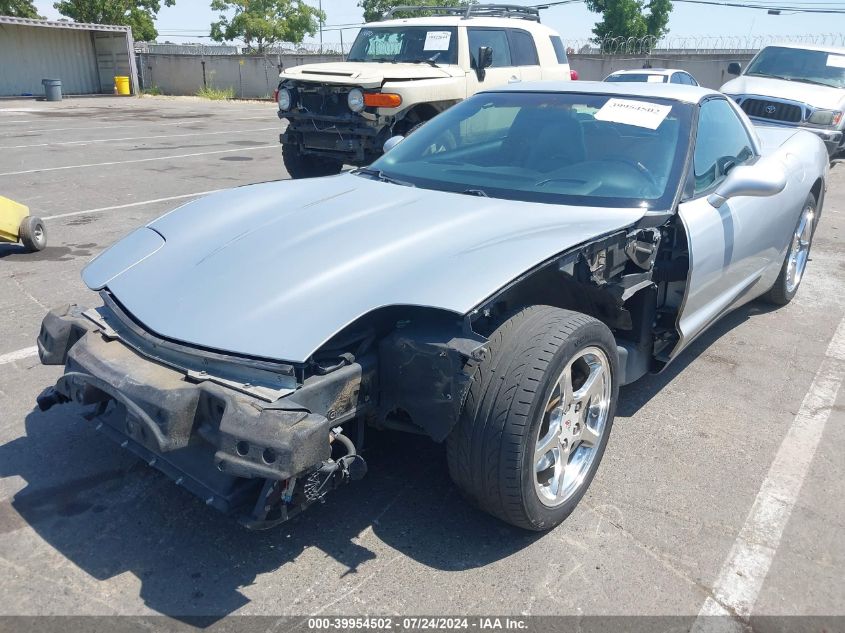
(825, 117)
(285, 99)
(355, 100)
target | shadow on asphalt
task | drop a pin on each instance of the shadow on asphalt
(636, 395)
(109, 514)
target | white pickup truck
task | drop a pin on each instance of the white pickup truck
(797, 86)
(403, 72)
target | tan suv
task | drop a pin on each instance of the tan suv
(402, 72)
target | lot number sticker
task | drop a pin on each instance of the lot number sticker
(837, 61)
(629, 112)
(437, 40)
(655, 79)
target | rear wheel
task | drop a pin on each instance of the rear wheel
(32, 233)
(537, 417)
(300, 165)
(797, 256)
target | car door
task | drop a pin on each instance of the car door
(730, 247)
(503, 70)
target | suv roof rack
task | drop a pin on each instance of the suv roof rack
(473, 11)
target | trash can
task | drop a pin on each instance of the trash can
(122, 85)
(52, 89)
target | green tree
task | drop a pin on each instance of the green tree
(139, 14)
(375, 9)
(262, 23)
(626, 18)
(18, 8)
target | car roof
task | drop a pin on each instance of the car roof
(454, 20)
(647, 71)
(676, 92)
(811, 47)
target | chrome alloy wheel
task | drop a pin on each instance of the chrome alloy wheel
(799, 249)
(574, 422)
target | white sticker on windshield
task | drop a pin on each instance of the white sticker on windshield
(437, 40)
(630, 112)
(655, 79)
(837, 61)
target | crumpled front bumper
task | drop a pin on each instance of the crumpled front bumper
(217, 442)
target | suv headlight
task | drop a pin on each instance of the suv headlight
(825, 117)
(285, 99)
(355, 100)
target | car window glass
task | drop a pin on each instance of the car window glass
(523, 51)
(495, 39)
(690, 80)
(678, 78)
(721, 144)
(560, 50)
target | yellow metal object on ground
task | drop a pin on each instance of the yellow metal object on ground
(122, 84)
(11, 216)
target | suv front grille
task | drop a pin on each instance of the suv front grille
(323, 101)
(774, 110)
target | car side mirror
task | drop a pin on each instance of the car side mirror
(749, 180)
(734, 68)
(485, 60)
(392, 142)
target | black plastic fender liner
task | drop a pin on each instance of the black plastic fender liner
(61, 328)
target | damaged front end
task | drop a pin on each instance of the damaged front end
(220, 427)
(256, 439)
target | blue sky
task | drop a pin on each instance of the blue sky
(574, 21)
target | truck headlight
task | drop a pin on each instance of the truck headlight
(355, 100)
(825, 117)
(285, 99)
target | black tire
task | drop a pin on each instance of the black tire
(300, 165)
(492, 447)
(32, 234)
(780, 294)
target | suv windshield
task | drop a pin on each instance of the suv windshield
(562, 148)
(437, 44)
(796, 64)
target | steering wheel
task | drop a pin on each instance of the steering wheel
(641, 169)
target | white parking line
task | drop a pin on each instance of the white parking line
(139, 138)
(138, 160)
(118, 127)
(738, 585)
(11, 357)
(131, 204)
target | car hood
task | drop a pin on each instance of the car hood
(810, 94)
(275, 270)
(367, 74)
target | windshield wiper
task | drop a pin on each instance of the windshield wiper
(378, 174)
(813, 81)
(427, 60)
(768, 75)
(476, 192)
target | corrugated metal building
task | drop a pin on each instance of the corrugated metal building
(86, 57)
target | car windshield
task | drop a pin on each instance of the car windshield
(641, 77)
(796, 64)
(561, 148)
(415, 44)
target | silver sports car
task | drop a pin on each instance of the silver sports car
(490, 282)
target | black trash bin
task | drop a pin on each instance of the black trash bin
(52, 89)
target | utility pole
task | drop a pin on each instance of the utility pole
(320, 6)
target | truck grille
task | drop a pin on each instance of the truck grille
(324, 101)
(774, 110)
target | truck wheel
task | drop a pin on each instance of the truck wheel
(301, 165)
(795, 262)
(32, 234)
(537, 417)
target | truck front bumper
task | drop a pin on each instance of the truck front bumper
(353, 141)
(219, 443)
